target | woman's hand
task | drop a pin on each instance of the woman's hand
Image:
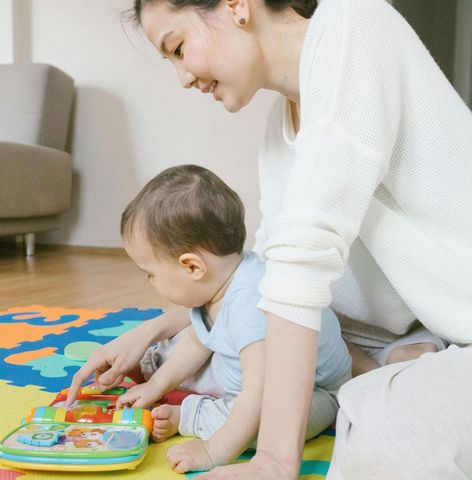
(262, 467)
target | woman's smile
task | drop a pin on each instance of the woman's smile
(209, 88)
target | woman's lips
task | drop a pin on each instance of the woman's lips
(215, 93)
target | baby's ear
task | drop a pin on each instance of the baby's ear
(194, 265)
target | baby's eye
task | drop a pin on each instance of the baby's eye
(178, 51)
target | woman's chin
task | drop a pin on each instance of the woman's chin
(232, 105)
(232, 108)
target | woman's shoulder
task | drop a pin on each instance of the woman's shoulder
(325, 6)
(333, 18)
(350, 43)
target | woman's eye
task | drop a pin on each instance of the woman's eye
(178, 51)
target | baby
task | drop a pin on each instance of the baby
(186, 231)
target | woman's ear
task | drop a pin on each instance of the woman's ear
(240, 11)
(194, 265)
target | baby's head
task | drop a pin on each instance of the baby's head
(181, 229)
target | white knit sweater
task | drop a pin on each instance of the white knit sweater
(369, 207)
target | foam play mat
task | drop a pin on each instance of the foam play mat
(40, 350)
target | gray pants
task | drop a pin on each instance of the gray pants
(206, 412)
(202, 415)
(407, 421)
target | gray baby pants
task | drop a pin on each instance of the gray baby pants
(203, 414)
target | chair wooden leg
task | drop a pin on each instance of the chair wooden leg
(29, 244)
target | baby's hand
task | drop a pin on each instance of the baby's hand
(139, 396)
(190, 456)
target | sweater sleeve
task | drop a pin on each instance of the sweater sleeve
(350, 109)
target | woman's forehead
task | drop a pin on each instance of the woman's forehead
(164, 26)
(163, 13)
(159, 21)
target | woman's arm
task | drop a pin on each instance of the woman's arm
(291, 354)
(112, 362)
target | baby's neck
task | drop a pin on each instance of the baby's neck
(226, 268)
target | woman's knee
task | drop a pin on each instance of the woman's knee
(392, 418)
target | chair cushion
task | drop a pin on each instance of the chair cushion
(34, 181)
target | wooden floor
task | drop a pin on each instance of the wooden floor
(76, 278)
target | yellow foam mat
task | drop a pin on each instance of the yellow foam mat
(15, 402)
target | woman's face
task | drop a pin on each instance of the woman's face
(209, 51)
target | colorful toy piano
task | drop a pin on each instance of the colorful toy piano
(89, 436)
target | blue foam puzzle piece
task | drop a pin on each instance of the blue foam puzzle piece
(39, 320)
(31, 373)
(115, 331)
(53, 366)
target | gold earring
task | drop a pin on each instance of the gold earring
(242, 21)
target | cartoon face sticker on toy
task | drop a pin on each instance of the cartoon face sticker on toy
(86, 433)
(85, 443)
(86, 437)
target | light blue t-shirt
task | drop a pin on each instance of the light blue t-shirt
(240, 323)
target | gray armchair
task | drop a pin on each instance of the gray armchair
(35, 170)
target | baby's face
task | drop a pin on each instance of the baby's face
(166, 274)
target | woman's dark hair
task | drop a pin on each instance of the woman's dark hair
(305, 8)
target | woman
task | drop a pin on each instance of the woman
(366, 177)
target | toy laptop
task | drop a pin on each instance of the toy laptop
(89, 436)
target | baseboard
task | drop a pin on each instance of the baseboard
(82, 249)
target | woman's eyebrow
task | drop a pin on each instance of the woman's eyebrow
(163, 46)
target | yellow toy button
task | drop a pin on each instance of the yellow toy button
(90, 391)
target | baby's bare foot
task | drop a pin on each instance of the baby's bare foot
(166, 422)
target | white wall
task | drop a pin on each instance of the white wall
(6, 31)
(132, 118)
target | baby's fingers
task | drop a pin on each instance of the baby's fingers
(179, 460)
(141, 403)
(125, 400)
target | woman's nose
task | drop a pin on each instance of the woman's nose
(187, 79)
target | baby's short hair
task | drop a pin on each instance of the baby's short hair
(185, 208)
